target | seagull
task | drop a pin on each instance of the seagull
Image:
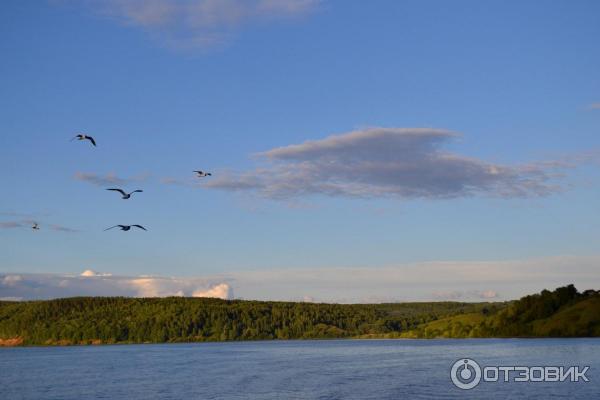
(84, 137)
(202, 174)
(125, 196)
(126, 227)
(35, 226)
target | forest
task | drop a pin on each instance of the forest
(563, 312)
(111, 320)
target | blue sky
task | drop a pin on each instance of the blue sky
(167, 88)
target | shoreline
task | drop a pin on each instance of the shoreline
(19, 342)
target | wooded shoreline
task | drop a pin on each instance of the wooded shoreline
(563, 312)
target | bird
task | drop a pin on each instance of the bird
(126, 227)
(81, 136)
(202, 174)
(35, 226)
(125, 196)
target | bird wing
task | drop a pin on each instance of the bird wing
(139, 190)
(139, 226)
(76, 136)
(118, 190)
(112, 227)
(91, 139)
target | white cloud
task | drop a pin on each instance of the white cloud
(164, 287)
(425, 281)
(221, 291)
(147, 287)
(92, 283)
(11, 280)
(91, 273)
(388, 162)
(189, 24)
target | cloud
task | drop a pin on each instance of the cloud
(424, 281)
(221, 291)
(150, 287)
(109, 179)
(403, 163)
(11, 280)
(28, 223)
(189, 24)
(92, 283)
(10, 225)
(91, 273)
(488, 294)
(29, 220)
(171, 181)
(61, 228)
(163, 287)
(457, 295)
(180, 182)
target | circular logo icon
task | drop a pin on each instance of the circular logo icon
(465, 373)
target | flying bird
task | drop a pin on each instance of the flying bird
(84, 137)
(35, 226)
(202, 174)
(126, 227)
(124, 195)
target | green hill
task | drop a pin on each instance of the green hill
(88, 320)
(94, 320)
(581, 319)
(561, 313)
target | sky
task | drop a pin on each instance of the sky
(359, 151)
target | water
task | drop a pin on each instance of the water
(338, 369)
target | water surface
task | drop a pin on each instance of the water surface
(336, 369)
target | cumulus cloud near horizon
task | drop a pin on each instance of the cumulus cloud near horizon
(221, 291)
(90, 272)
(92, 283)
(424, 281)
(193, 24)
(406, 163)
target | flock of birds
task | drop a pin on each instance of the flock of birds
(124, 194)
